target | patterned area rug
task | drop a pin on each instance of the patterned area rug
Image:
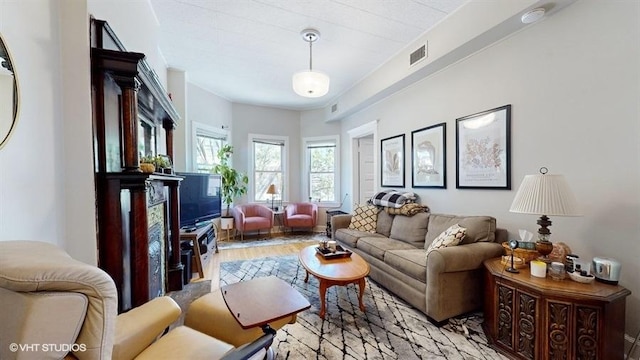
(265, 240)
(389, 329)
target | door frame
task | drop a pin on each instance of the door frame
(370, 128)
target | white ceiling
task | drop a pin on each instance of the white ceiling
(247, 50)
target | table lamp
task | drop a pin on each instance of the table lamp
(272, 190)
(545, 194)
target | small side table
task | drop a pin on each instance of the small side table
(278, 219)
(260, 301)
(331, 213)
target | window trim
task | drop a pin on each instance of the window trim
(206, 130)
(251, 193)
(306, 141)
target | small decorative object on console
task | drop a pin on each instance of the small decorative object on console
(606, 270)
(539, 268)
(575, 276)
(513, 244)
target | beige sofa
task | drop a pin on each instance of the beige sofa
(445, 283)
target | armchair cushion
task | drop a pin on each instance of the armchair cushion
(32, 266)
(250, 217)
(301, 215)
(140, 326)
(58, 316)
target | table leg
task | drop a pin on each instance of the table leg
(306, 278)
(361, 284)
(323, 292)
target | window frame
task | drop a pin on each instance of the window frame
(200, 129)
(306, 142)
(251, 193)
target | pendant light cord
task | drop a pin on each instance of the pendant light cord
(310, 40)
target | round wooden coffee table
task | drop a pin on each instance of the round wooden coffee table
(341, 272)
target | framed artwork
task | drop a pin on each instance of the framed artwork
(428, 157)
(392, 155)
(483, 150)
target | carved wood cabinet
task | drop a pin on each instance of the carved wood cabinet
(137, 214)
(526, 317)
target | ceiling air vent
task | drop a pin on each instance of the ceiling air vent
(418, 55)
(334, 108)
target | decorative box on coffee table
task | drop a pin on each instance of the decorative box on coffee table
(528, 317)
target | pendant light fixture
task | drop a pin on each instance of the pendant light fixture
(310, 83)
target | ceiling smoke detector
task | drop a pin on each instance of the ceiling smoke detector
(533, 15)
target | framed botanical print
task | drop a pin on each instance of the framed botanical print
(392, 161)
(428, 157)
(483, 150)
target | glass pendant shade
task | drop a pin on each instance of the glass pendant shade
(309, 83)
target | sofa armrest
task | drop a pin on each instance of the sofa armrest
(139, 327)
(341, 221)
(461, 258)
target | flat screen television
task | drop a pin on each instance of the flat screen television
(200, 199)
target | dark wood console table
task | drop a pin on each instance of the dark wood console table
(527, 317)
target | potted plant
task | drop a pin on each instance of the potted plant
(234, 183)
(150, 163)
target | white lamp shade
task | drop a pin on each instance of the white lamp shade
(310, 84)
(545, 194)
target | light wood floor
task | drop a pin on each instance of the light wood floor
(212, 270)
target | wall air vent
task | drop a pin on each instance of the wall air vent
(334, 108)
(418, 55)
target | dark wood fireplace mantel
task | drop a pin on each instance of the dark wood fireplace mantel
(138, 214)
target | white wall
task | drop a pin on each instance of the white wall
(208, 109)
(32, 175)
(252, 119)
(46, 181)
(573, 82)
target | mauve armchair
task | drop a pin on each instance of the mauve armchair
(301, 215)
(252, 217)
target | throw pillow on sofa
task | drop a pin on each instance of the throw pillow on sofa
(450, 237)
(479, 228)
(364, 218)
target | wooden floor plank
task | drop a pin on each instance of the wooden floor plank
(212, 271)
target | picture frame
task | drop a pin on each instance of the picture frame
(429, 156)
(483, 150)
(392, 161)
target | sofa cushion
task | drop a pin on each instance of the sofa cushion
(450, 237)
(410, 262)
(479, 228)
(411, 229)
(350, 237)
(383, 225)
(378, 245)
(364, 218)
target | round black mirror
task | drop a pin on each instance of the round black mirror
(8, 94)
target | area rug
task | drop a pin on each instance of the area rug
(389, 329)
(265, 240)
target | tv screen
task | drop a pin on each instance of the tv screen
(200, 198)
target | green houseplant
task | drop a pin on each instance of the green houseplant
(234, 183)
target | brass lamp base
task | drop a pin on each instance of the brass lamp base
(544, 247)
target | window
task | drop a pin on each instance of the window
(207, 141)
(269, 159)
(321, 161)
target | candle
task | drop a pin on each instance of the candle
(538, 268)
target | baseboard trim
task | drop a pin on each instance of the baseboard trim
(628, 342)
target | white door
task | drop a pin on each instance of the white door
(366, 172)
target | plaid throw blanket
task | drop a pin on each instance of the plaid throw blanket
(392, 198)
